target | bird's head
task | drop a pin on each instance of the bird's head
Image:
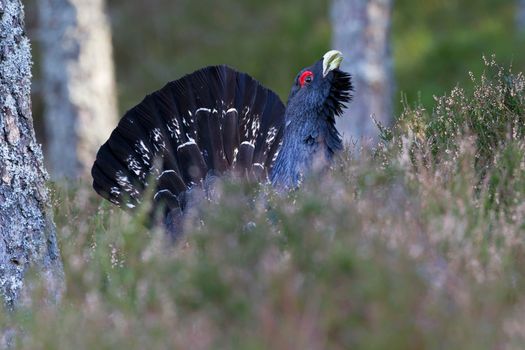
(322, 89)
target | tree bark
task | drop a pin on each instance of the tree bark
(79, 83)
(27, 230)
(361, 30)
(520, 16)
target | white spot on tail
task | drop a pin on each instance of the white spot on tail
(165, 172)
(134, 165)
(203, 110)
(157, 140)
(191, 142)
(277, 152)
(125, 184)
(162, 191)
(256, 124)
(145, 153)
(272, 133)
(248, 143)
(114, 191)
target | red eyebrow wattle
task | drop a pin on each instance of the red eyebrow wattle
(303, 77)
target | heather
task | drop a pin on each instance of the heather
(416, 243)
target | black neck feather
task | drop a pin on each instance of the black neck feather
(311, 138)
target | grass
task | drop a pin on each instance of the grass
(416, 244)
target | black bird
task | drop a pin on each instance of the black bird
(218, 120)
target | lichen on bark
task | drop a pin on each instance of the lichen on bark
(27, 232)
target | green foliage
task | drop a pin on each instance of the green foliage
(436, 43)
(484, 128)
(272, 40)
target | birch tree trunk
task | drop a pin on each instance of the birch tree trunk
(79, 83)
(520, 16)
(361, 30)
(26, 226)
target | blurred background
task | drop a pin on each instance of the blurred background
(427, 47)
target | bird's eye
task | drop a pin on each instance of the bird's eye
(306, 78)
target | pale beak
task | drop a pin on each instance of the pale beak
(331, 60)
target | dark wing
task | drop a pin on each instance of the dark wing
(206, 123)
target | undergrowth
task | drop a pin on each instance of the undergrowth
(418, 244)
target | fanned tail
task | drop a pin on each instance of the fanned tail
(200, 126)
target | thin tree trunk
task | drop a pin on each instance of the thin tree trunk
(361, 30)
(79, 83)
(520, 16)
(26, 226)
